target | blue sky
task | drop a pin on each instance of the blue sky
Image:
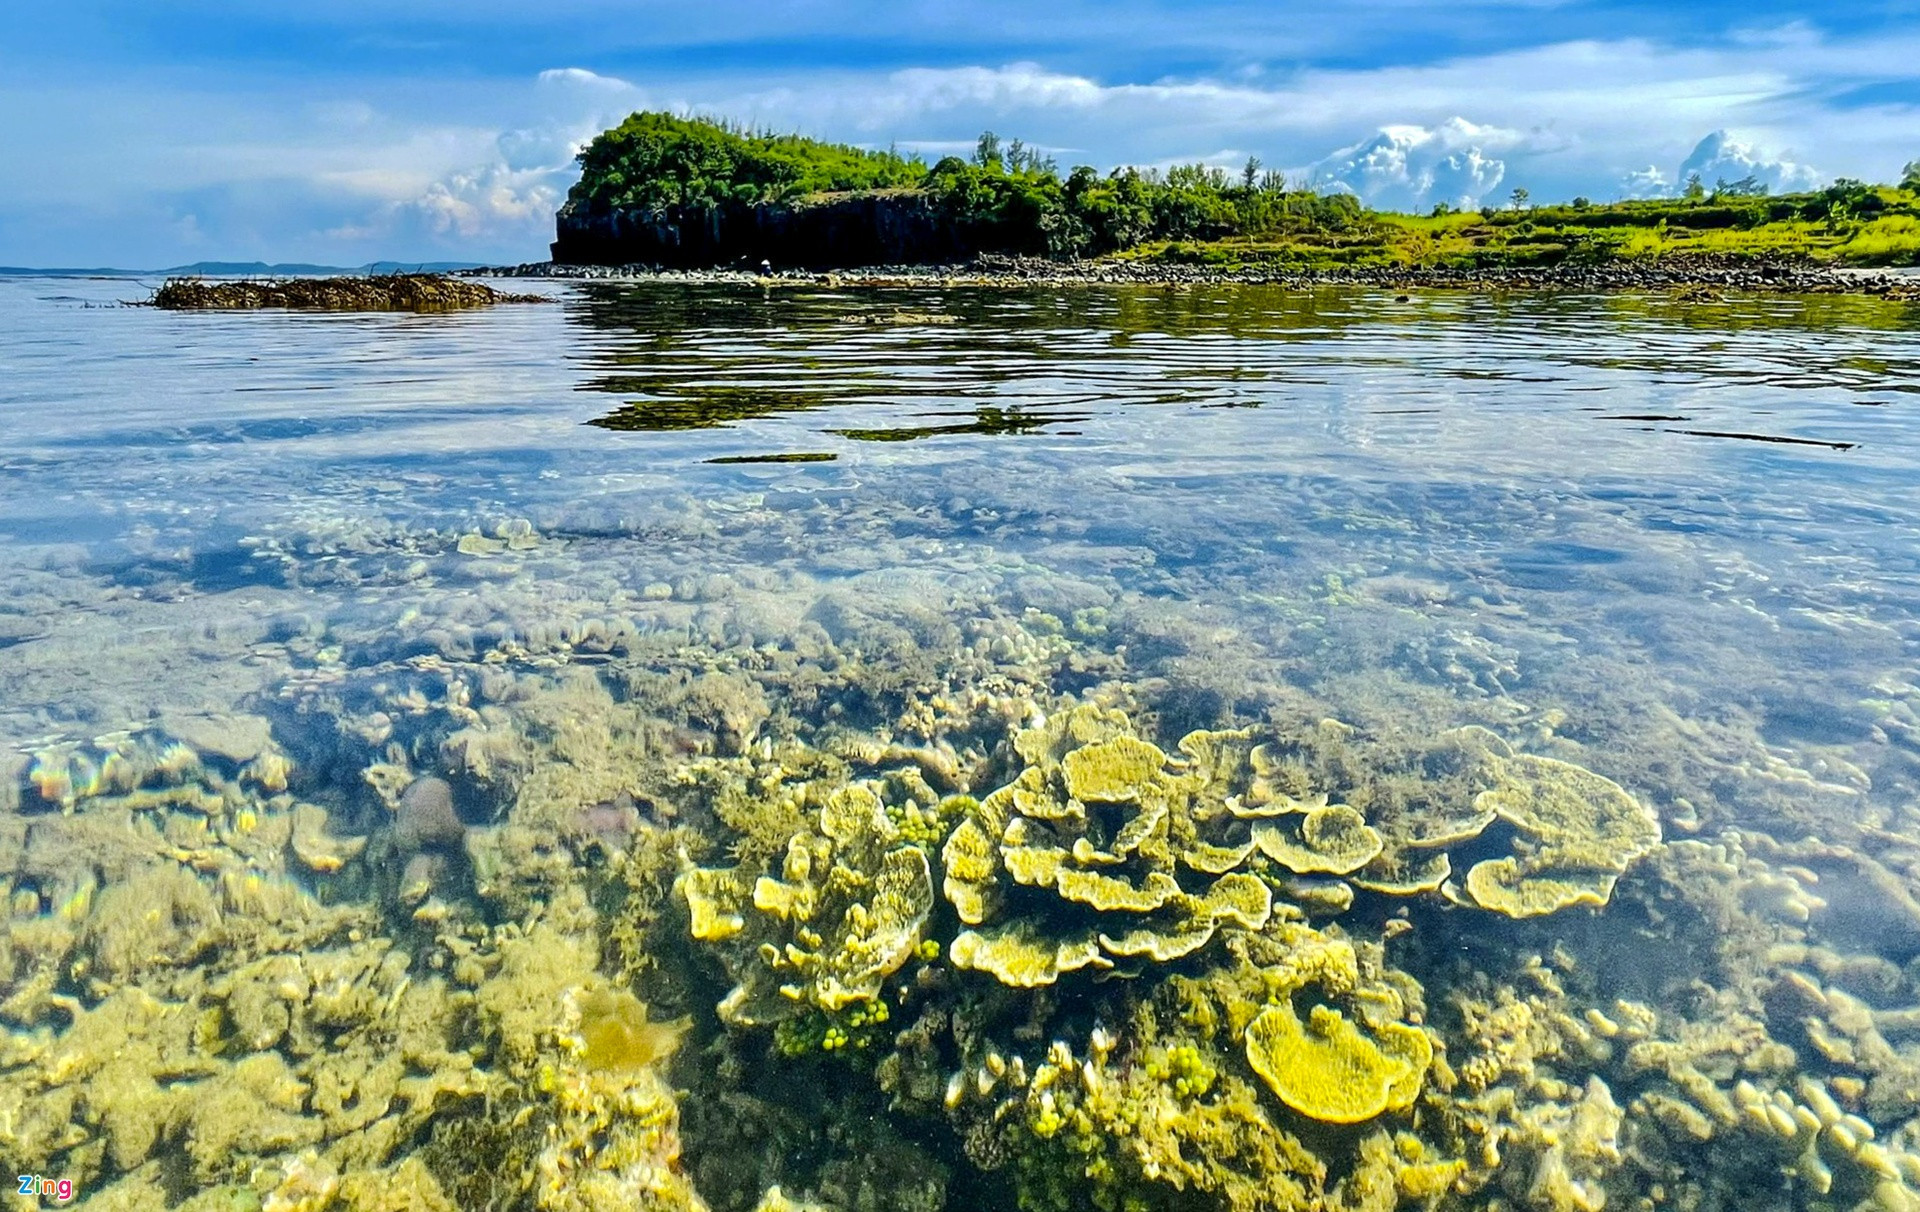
(340, 131)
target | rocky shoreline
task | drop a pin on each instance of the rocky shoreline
(1683, 276)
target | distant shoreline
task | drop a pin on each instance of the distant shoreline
(249, 270)
(1686, 276)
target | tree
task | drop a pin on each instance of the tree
(1519, 197)
(1582, 203)
(1696, 190)
(1748, 186)
(1250, 175)
(1847, 198)
(1910, 176)
(987, 150)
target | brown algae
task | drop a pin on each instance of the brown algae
(376, 292)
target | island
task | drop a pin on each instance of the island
(695, 193)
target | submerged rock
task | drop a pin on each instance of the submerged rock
(425, 818)
(378, 292)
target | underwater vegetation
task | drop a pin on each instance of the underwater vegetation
(825, 929)
(192, 1026)
(1209, 1007)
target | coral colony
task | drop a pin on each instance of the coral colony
(572, 951)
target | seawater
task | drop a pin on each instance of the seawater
(270, 583)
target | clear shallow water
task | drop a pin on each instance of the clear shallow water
(1677, 544)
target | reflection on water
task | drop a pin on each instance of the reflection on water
(542, 758)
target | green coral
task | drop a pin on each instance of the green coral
(1153, 1136)
(1133, 848)
(816, 1030)
(1185, 1067)
(1334, 839)
(847, 909)
(1582, 830)
(1246, 1033)
(928, 827)
(1174, 1112)
(1402, 807)
(1328, 1069)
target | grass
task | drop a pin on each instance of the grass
(1765, 230)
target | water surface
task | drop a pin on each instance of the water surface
(1675, 543)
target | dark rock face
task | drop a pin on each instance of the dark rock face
(891, 227)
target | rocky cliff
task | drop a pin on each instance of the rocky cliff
(826, 231)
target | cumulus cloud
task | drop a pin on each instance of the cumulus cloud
(1648, 182)
(489, 201)
(508, 198)
(1411, 167)
(469, 164)
(1016, 86)
(1719, 157)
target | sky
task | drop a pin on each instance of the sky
(156, 133)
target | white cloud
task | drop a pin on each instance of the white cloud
(1719, 157)
(1411, 167)
(1648, 182)
(506, 195)
(1593, 111)
(1016, 86)
(581, 78)
(487, 202)
(470, 165)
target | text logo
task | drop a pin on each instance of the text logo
(59, 1190)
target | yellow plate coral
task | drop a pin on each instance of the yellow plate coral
(1327, 1069)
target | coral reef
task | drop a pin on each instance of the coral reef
(1078, 862)
(847, 912)
(1237, 972)
(1101, 856)
(1580, 831)
(200, 1011)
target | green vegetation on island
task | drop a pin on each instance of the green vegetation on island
(703, 187)
(656, 160)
